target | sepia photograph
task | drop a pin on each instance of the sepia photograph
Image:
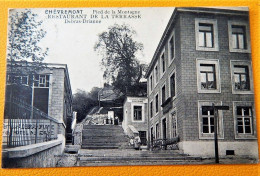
(128, 86)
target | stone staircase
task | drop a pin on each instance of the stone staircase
(114, 157)
(104, 137)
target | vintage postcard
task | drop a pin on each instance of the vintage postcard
(129, 86)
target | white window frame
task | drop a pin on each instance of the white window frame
(39, 80)
(8, 82)
(171, 120)
(253, 134)
(143, 113)
(158, 70)
(200, 122)
(217, 73)
(161, 65)
(240, 23)
(170, 60)
(242, 63)
(215, 34)
(169, 81)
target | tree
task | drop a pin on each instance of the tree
(24, 36)
(84, 101)
(24, 56)
(119, 53)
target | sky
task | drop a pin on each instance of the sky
(73, 43)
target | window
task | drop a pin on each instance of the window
(162, 64)
(41, 81)
(163, 94)
(156, 103)
(137, 113)
(151, 109)
(241, 77)
(174, 124)
(206, 34)
(206, 38)
(172, 85)
(14, 79)
(238, 36)
(156, 72)
(206, 120)
(171, 48)
(151, 83)
(244, 120)
(208, 76)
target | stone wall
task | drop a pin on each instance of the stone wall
(77, 134)
(56, 97)
(30, 157)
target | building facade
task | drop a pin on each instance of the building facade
(37, 107)
(135, 118)
(203, 57)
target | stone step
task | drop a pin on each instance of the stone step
(141, 155)
(137, 162)
(122, 137)
(110, 136)
(133, 153)
(136, 158)
(118, 133)
(102, 127)
(95, 131)
(99, 147)
(102, 143)
(103, 137)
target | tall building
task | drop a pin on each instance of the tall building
(204, 57)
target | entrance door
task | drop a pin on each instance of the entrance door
(164, 128)
(142, 135)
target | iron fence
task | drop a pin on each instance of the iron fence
(25, 125)
(165, 144)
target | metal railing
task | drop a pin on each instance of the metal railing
(165, 144)
(26, 125)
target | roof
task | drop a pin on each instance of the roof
(242, 11)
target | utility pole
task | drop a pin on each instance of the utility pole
(216, 133)
(216, 109)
